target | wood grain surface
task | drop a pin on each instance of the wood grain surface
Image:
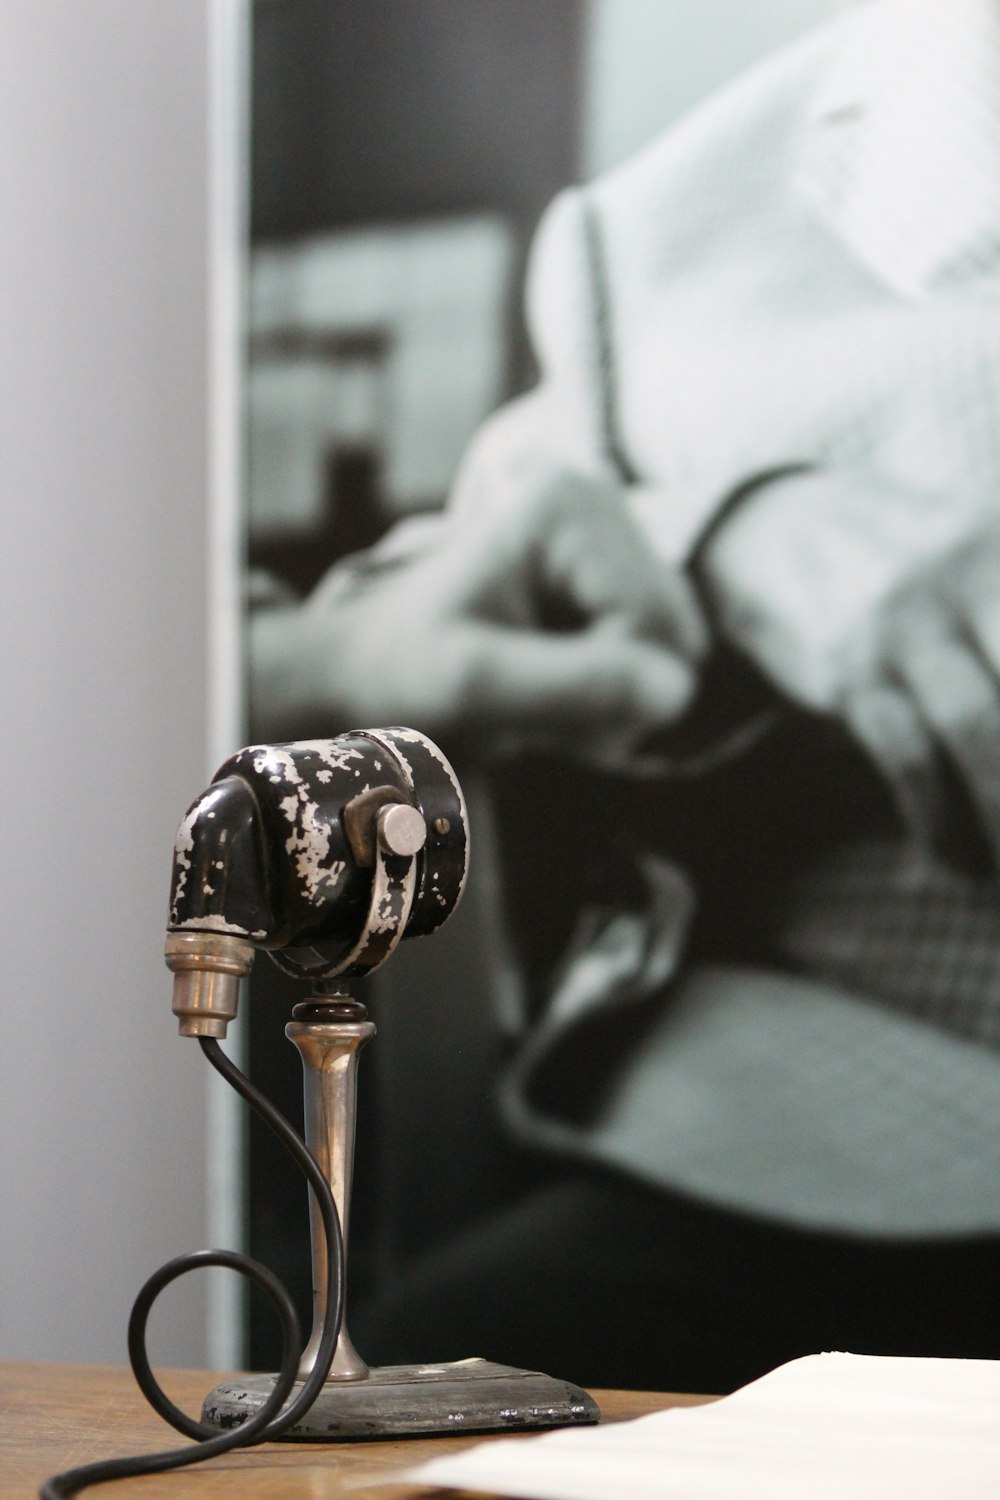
(54, 1417)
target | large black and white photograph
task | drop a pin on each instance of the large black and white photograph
(620, 413)
(501, 616)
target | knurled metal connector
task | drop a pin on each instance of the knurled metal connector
(207, 969)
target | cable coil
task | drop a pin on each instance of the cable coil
(271, 1420)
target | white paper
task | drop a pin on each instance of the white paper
(827, 1427)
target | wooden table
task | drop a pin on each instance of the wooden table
(54, 1417)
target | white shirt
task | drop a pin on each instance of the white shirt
(803, 273)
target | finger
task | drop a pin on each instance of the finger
(599, 685)
(596, 560)
(555, 548)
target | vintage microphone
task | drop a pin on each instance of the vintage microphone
(326, 854)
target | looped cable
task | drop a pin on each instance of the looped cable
(271, 1420)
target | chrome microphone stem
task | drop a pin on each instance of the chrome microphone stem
(329, 1042)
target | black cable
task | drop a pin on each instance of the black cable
(270, 1421)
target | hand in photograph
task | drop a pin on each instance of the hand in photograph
(808, 571)
(936, 640)
(530, 615)
(855, 598)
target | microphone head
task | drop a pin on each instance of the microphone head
(325, 853)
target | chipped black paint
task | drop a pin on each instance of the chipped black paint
(264, 854)
(445, 860)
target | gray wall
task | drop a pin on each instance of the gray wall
(104, 455)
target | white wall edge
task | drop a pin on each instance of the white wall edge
(228, 54)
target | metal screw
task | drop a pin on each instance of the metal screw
(442, 825)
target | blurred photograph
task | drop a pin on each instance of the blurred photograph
(621, 413)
